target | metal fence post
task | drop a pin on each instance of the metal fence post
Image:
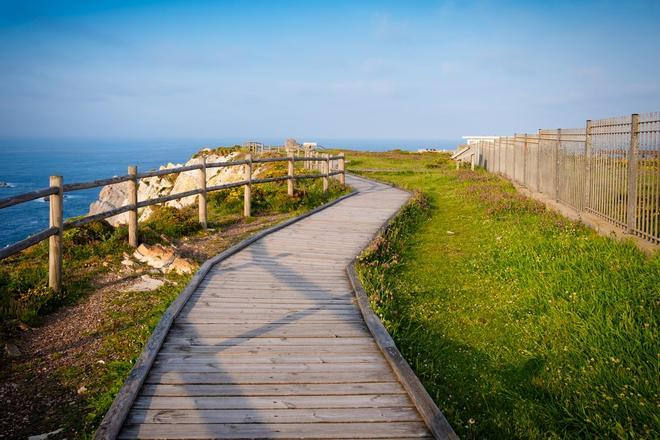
(55, 241)
(633, 151)
(538, 161)
(289, 182)
(586, 194)
(132, 201)
(525, 160)
(247, 188)
(201, 182)
(557, 152)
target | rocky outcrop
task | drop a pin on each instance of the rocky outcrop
(114, 196)
(163, 258)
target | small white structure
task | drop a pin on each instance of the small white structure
(474, 139)
(310, 145)
(433, 150)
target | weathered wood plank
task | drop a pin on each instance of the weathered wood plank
(264, 360)
(319, 415)
(304, 389)
(269, 402)
(268, 378)
(277, 431)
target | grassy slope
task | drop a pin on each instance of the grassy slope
(520, 324)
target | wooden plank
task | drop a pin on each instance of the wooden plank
(265, 360)
(322, 415)
(230, 368)
(271, 305)
(304, 389)
(271, 402)
(270, 330)
(271, 342)
(277, 431)
(268, 378)
(288, 350)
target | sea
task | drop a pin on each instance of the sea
(26, 164)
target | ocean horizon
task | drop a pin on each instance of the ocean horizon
(26, 164)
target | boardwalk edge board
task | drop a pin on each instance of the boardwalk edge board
(114, 419)
(433, 417)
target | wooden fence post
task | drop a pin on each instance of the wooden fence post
(55, 241)
(633, 151)
(472, 161)
(289, 182)
(247, 194)
(557, 152)
(326, 171)
(133, 213)
(342, 168)
(458, 164)
(201, 182)
(586, 193)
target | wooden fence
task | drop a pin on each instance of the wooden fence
(610, 168)
(327, 165)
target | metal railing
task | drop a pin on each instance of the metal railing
(327, 165)
(610, 168)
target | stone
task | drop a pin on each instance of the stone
(82, 390)
(46, 435)
(156, 256)
(145, 284)
(180, 266)
(115, 196)
(12, 351)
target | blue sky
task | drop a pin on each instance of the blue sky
(336, 69)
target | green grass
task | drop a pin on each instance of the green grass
(520, 323)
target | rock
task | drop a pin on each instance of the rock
(128, 263)
(46, 435)
(111, 197)
(145, 284)
(82, 390)
(23, 327)
(156, 256)
(115, 196)
(4, 184)
(180, 266)
(163, 258)
(12, 351)
(451, 233)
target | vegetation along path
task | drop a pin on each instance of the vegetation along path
(271, 344)
(520, 323)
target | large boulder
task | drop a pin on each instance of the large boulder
(115, 196)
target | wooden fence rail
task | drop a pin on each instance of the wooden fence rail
(55, 194)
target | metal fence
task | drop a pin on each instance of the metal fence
(610, 168)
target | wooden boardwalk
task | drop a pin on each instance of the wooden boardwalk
(272, 344)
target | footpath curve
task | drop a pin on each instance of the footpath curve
(271, 339)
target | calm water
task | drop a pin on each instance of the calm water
(27, 165)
